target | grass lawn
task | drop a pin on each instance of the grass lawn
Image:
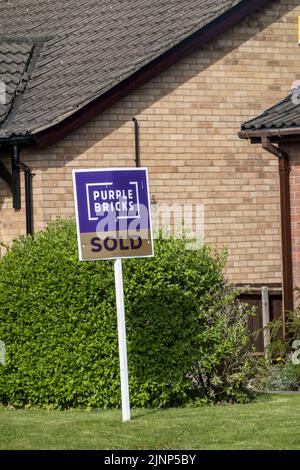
(272, 422)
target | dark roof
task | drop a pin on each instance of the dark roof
(79, 49)
(14, 59)
(283, 115)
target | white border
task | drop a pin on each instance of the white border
(76, 214)
(88, 197)
(120, 217)
(85, 170)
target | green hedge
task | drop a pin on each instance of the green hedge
(58, 322)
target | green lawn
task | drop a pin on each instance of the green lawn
(272, 422)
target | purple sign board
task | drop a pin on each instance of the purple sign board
(113, 213)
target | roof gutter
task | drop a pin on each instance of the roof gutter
(264, 133)
(149, 71)
(17, 139)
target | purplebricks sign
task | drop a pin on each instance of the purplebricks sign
(113, 213)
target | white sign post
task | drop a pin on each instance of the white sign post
(122, 340)
(113, 222)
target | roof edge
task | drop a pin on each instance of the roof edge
(58, 131)
(261, 133)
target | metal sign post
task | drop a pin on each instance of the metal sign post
(113, 222)
(122, 340)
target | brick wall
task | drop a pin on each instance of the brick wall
(189, 118)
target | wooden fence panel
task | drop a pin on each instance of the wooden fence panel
(255, 323)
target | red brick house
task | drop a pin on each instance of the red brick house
(75, 74)
(277, 130)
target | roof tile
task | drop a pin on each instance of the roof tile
(87, 48)
(13, 62)
(284, 114)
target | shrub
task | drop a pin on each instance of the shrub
(58, 321)
(281, 344)
(224, 366)
(277, 376)
(280, 371)
(284, 338)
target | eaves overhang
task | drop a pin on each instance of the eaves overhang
(58, 130)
